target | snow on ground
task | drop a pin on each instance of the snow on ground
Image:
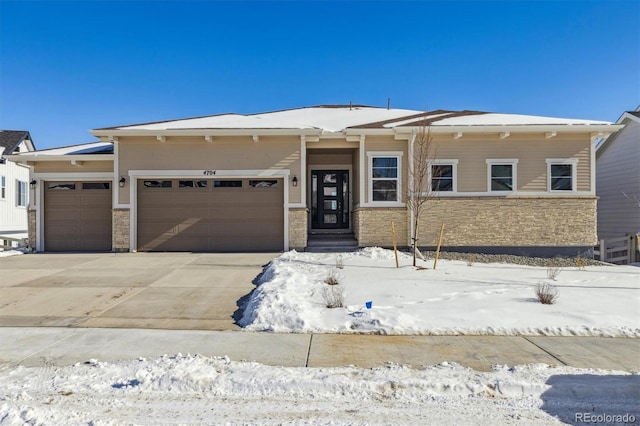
(453, 299)
(6, 253)
(202, 390)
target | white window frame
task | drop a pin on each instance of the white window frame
(574, 173)
(3, 187)
(513, 162)
(19, 192)
(443, 162)
(385, 154)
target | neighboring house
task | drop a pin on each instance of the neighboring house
(273, 181)
(14, 184)
(618, 180)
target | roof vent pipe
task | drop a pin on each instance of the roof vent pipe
(388, 103)
(350, 105)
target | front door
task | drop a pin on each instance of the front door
(330, 199)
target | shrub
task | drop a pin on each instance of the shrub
(470, 259)
(339, 262)
(333, 296)
(546, 293)
(553, 269)
(333, 293)
(580, 263)
(332, 278)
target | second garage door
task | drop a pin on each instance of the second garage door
(210, 215)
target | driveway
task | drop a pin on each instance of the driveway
(133, 290)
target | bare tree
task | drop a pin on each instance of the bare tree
(420, 190)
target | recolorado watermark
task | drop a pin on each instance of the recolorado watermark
(604, 418)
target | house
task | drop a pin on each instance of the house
(274, 181)
(618, 180)
(14, 179)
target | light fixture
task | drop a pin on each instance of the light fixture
(294, 180)
(32, 184)
(122, 181)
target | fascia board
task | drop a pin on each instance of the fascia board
(205, 132)
(24, 158)
(524, 128)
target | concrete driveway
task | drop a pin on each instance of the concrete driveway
(133, 290)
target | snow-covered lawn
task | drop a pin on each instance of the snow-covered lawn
(453, 299)
(7, 253)
(202, 390)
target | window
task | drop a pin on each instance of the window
(443, 175)
(61, 186)
(229, 183)
(501, 175)
(96, 185)
(157, 183)
(264, 183)
(21, 193)
(192, 184)
(385, 177)
(3, 187)
(561, 174)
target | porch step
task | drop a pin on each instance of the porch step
(319, 243)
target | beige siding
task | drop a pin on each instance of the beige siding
(530, 150)
(194, 153)
(67, 167)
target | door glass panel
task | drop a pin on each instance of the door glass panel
(330, 178)
(330, 205)
(330, 191)
(330, 218)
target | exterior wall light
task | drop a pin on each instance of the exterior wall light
(32, 184)
(294, 180)
(122, 181)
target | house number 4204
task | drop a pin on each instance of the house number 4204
(209, 172)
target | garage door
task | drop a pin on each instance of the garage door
(77, 216)
(210, 215)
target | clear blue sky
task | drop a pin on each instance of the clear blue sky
(67, 67)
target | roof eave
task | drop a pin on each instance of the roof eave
(110, 133)
(517, 128)
(32, 158)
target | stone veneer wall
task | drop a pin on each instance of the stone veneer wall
(372, 226)
(120, 231)
(499, 221)
(31, 229)
(298, 229)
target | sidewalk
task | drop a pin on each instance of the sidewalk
(37, 346)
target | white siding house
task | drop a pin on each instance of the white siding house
(14, 185)
(618, 180)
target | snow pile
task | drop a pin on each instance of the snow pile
(197, 389)
(7, 253)
(482, 299)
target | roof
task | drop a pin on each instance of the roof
(626, 118)
(10, 139)
(91, 148)
(338, 118)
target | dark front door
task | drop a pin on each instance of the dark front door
(330, 199)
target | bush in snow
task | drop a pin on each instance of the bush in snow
(332, 278)
(339, 262)
(553, 270)
(580, 263)
(470, 259)
(546, 293)
(333, 293)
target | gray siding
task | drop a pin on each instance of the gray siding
(618, 170)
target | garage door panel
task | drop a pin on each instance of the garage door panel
(210, 218)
